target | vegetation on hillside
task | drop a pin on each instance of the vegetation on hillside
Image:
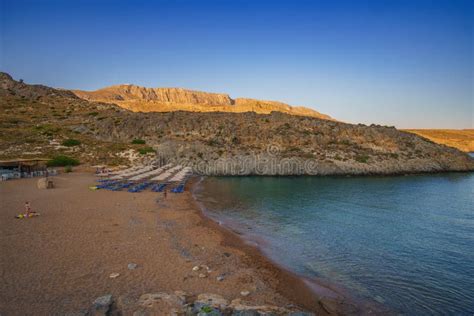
(62, 161)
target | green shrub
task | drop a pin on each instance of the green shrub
(94, 113)
(362, 158)
(235, 140)
(146, 150)
(138, 141)
(213, 142)
(62, 161)
(71, 142)
(68, 169)
(207, 309)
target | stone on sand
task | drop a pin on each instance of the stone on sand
(132, 266)
(101, 305)
(162, 304)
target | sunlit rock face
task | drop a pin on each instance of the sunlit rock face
(141, 99)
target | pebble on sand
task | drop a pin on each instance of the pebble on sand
(132, 266)
(114, 275)
(245, 293)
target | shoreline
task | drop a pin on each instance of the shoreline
(312, 294)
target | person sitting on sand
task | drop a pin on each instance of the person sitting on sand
(27, 209)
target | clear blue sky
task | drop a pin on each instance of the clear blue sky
(407, 63)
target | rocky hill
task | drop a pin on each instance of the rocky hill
(141, 99)
(462, 139)
(31, 91)
(37, 123)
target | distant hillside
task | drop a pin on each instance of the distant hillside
(38, 121)
(141, 99)
(462, 139)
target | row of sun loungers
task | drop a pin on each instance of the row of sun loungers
(121, 172)
(133, 173)
(140, 187)
(137, 179)
(181, 175)
(150, 173)
(167, 174)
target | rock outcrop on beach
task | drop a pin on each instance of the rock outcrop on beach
(142, 99)
(216, 143)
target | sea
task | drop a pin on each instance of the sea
(405, 242)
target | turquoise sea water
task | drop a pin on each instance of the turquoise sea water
(406, 241)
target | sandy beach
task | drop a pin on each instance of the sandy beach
(59, 262)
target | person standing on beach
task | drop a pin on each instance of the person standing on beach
(165, 194)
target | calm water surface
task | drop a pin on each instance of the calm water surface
(406, 241)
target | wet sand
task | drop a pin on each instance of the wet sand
(59, 262)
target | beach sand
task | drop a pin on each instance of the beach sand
(60, 261)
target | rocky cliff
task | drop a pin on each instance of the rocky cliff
(164, 95)
(141, 99)
(281, 144)
(35, 120)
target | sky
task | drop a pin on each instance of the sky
(406, 63)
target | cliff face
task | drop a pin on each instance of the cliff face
(164, 95)
(281, 144)
(141, 99)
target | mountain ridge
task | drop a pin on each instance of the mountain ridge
(144, 99)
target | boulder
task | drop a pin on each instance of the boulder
(214, 301)
(102, 305)
(45, 183)
(162, 304)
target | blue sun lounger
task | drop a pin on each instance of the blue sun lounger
(178, 189)
(158, 187)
